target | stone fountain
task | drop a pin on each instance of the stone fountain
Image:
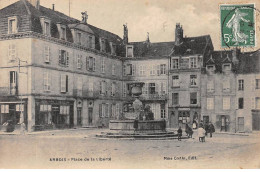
(137, 124)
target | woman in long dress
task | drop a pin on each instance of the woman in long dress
(234, 23)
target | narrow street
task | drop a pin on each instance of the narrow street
(81, 149)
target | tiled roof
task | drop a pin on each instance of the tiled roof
(249, 62)
(18, 8)
(192, 45)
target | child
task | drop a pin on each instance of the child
(179, 133)
(201, 134)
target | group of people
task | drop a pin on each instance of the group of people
(203, 131)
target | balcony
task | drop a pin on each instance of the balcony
(153, 97)
(86, 94)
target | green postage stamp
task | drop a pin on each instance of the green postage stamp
(237, 25)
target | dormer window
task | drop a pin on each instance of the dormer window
(62, 31)
(12, 25)
(79, 38)
(90, 42)
(113, 48)
(210, 68)
(193, 62)
(226, 67)
(46, 26)
(129, 51)
(102, 45)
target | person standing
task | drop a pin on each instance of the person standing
(179, 133)
(211, 129)
(201, 134)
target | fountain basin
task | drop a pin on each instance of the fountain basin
(142, 126)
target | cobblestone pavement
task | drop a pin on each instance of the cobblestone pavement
(80, 148)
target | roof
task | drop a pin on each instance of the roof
(249, 62)
(23, 7)
(152, 50)
(192, 45)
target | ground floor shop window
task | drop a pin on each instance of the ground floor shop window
(184, 118)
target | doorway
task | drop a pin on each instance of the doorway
(79, 121)
(240, 124)
(256, 122)
(223, 123)
(90, 116)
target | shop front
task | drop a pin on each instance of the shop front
(13, 114)
(51, 114)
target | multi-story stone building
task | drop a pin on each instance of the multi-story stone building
(57, 71)
(248, 92)
(218, 90)
(186, 61)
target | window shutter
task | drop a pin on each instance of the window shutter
(100, 110)
(112, 93)
(253, 103)
(87, 63)
(67, 83)
(156, 88)
(67, 59)
(100, 87)
(94, 64)
(158, 69)
(60, 57)
(62, 83)
(49, 81)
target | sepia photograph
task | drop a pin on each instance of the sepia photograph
(129, 84)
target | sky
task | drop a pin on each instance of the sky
(158, 17)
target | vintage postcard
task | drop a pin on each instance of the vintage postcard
(132, 84)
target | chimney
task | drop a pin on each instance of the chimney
(53, 7)
(125, 38)
(235, 55)
(178, 34)
(35, 3)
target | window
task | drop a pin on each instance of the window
(175, 98)
(79, 38)
(47, 108)
(130, 69)
(19, 108)
(103, 88)
(153, 69)
(117, 110)
(106, 110)
(193, 80)
(226, 67)
(163, 111)
(257, 82)
(210, 68)
(79, 61)
(152, 88)
(13, 82)
(4, 108)
(64, 110)
(103, 65)
(210, 103)
(145, 89)
(64, 58)
(226, 103)
(142, 70)
(257, 103)
(79, 86)
(184, 117)
(64, 83)
(210, 86)
(226, 85)
(90, 40)
(46, 30)
(193, 98)
(163, 88)
(133, 70)
(63, 33)
(91, 85)
(113, 69)
(193, 62)
(91, 64)
(103, 110)
(175, 81)
(12, 52)
(129, 51)
(241, 103)
(113, 89)
(12, 25)
(241, 85)
(47, 81)
(47, 54)
(113, 111)
(102, 45)
(124, 90)
(163, 69)
(113, 48)
(175, 63)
